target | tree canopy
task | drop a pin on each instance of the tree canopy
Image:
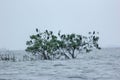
(68, 46)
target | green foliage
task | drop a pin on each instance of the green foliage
(51, 46)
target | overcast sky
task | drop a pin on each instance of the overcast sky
(19, 18)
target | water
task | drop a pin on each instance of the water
(97, 65)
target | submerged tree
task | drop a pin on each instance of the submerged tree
(43, 43)
(51, 46)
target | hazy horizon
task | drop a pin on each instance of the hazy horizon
(19, 19)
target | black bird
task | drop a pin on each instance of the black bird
(36, 29)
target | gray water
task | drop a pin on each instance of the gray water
(97, 65)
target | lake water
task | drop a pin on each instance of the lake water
(97, 65)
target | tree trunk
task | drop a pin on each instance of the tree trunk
(73, 54)
(66, 56)
(44, 56)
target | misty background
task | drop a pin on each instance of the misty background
(20, 18)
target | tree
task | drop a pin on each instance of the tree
(51, 46)
(44, 43)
